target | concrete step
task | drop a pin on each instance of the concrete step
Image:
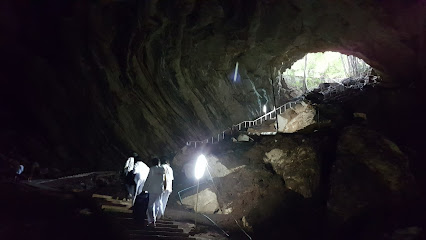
(99, 196)
(119, 210)
(151, 229)
(141, 225)
(159, 237)
(162, 221)
(155, 232)
(111, 208)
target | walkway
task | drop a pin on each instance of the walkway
(331, 92)
(120, 213)
(272, 115)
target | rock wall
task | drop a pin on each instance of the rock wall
(370, 172)
(334, 183)
(84, 82)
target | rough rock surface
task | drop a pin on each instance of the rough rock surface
(207, 201)
(297, 118)
(250, 184)
(298, 165)
(86, 81)
(370, 171)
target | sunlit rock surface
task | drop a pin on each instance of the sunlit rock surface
(297, 118)
(207, 201)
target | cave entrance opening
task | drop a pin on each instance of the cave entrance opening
(318, 68)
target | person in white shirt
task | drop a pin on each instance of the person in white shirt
(130, 164)
(168, 189)
(129, 176)
(155, 186)
(141, 171)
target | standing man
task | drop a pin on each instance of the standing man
(129, 176)
(169, 182)
(155, 186)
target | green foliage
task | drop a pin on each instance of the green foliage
(324, 67)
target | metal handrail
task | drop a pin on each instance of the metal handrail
(267, 116)
(280, 110)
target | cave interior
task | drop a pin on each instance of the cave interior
(86, 83)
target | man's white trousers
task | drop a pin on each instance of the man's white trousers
(164, 199)
(155, 207)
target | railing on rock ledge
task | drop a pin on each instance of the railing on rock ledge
(246, 124)
(331, 90)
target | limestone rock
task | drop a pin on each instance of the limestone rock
(207, 201)
(149, 76)
(186, 162)
(297, 118)
(360, 115)
(369, 170)
(244, 138)
(266, 128)
(298, 167)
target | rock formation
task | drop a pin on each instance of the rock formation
(86, 82)
(370, 171)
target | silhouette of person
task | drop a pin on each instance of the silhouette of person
(155, 186)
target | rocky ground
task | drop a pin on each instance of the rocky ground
(64, 208)
(344, 177)
(340, 178)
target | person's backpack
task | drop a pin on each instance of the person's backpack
(130, 178)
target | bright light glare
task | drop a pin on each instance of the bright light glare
(236, 72)
(264, 108)
(200, 166)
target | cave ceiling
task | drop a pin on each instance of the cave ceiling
(85, 82)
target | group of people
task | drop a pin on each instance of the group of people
(155, 183)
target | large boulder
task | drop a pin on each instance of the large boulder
(243, 186)
(207, 201)
(296, 118)
(369, 171)
(298, 166)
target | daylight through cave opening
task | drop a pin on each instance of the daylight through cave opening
(307, 73)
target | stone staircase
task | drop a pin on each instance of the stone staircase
(119, 211)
